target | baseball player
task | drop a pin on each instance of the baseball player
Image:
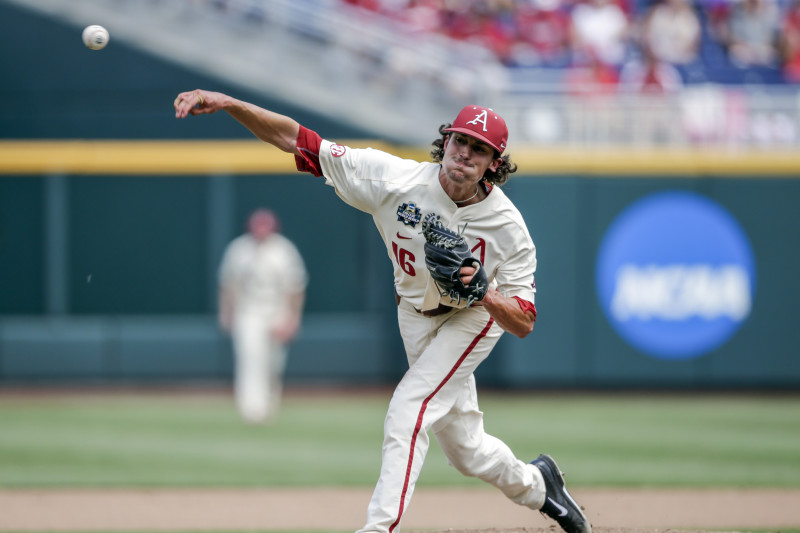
(262, 282)
(447, 330)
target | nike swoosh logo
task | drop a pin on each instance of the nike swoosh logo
(561, 508)
(401, 237)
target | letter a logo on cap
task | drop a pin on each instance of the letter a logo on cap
(480, 118)
(486, 126)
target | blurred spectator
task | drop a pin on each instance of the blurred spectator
(542, 34)
(372, 5)
(671, 31)
(599, 28)
(790, 43)
(459, 21)
(650, 75)
(262, 281)
(496, 30)
(592, 78)
(593, 85)
(422, 15)
(651, 82)
(489, 24)
(750, 33)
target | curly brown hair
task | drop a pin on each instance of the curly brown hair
(497, 177)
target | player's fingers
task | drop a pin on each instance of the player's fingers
(188, 102)
(179, 100)
(181, 105)
(199, 100)
(466, 274)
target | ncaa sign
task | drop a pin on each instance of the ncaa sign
(675, 275)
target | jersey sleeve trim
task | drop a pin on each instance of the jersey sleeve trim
(308, 143)
(526, 306)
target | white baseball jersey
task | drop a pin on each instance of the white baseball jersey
(262, 274)
(438, 393)
(399, 192)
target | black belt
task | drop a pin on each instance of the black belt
(441, 310)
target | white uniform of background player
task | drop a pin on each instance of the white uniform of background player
(444, 345)
(262, 281)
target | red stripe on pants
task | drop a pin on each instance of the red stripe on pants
(418, 426)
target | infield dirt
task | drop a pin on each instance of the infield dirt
(342, 509)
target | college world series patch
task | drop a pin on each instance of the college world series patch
(409, 214)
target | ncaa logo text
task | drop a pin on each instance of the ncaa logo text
(675, 275)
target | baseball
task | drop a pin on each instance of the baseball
(95, 37)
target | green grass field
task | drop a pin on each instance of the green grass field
(334, 439)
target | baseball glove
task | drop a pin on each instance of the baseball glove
(446, 252)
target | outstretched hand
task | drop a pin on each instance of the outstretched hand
(197, 102)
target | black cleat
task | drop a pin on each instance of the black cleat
(558, 504)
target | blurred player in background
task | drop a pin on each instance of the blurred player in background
(445, 340)
(262, 282)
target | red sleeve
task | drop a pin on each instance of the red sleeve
(308, 143)
(526, 306)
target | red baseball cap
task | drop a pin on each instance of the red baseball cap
(483, 124)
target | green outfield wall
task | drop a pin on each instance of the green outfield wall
(110, 277)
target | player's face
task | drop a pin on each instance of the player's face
(262, 225)
(466, 159)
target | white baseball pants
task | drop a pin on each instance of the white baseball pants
(260, 362)
(438, 392)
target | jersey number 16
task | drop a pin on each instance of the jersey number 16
(404, 258)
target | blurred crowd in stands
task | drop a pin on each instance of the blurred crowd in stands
(584, 72)
(652, 46)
